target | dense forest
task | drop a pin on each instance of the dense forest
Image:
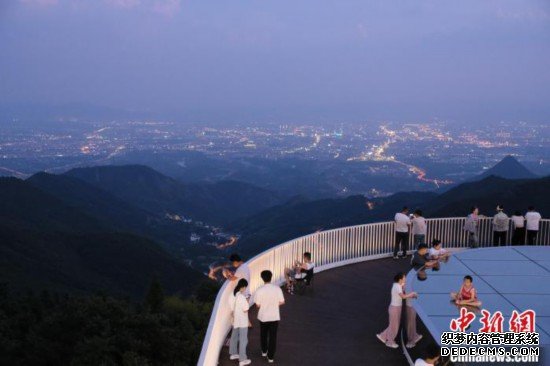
(61, 329)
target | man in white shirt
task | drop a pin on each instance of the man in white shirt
(532, 219)
(418, 229)
(402, 223)
(501, 222)
(242, 271)
(268, 299)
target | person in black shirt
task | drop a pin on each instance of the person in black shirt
(420, 258)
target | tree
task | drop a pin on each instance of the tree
(155, 297)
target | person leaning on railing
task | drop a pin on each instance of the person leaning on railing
(436, 252)
(532, 219)
(501, 222)
(241, 271)
(402, 224)
(418, 228)
(518, 224)
(420, 258)
(472, 227)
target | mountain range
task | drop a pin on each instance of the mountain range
(509, 168)
(216, 203)
(284, 222)
(106, 228)
(45, 243)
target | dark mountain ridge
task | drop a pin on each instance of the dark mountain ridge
(513, 194)
(284, 222)
(217, 203)
(508, 168)
(47, 244)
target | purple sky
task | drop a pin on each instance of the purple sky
(308, 60)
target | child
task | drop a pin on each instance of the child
(397, 295)
(467, 295)
(436, 251)
(239, 336)
(420, 258)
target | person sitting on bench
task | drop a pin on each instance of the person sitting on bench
(298, 272)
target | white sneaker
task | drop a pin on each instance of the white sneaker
(270, 361)
(392, 345)
(380, 338)
(245, 362)
(410, 345)
(264, 354)
(234, 357)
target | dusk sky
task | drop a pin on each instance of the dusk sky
(309, 60)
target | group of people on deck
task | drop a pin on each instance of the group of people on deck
(422, 259)
(268, 298)
(524, 228)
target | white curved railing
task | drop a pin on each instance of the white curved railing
(335, 248)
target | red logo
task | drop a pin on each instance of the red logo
(491, 324)
(466, 318)
(522, 322)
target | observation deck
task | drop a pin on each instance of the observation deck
(338, 321)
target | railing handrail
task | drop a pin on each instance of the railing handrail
(332, 248)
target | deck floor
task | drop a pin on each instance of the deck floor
(337, 322)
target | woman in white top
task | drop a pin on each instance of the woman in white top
(239, 336)
(518, 223)
(397, 296)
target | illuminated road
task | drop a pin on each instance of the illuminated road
(377, 153)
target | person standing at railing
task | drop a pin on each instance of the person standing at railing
(518, 223)
(532, 219)
(501, 222)
(268, 299)
(402, 224)
(242, 271)
(418, 228)
(394, 310)
(239, 335)
(472, 227)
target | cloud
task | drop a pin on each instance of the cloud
(524, 14)
(164, 7)
(167, 8)
(40, 2)
(126, 4)
(362, 30)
